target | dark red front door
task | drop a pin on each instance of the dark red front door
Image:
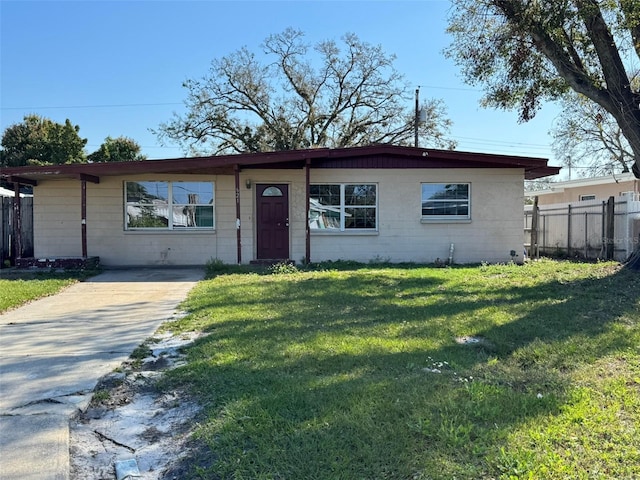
(272, 219)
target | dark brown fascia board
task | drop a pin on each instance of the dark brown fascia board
(509, 160)
(224, 162)
(21, 180)
(535, 167)
(88, 178)
(540, 172)
(221, 162)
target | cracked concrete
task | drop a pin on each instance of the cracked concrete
(130, 421)
(54, 350)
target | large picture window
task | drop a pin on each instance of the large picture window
(343, 207)
(449, 201)
(158, 205)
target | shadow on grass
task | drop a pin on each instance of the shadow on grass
(357, 374)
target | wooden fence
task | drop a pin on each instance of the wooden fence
(8, 253)
(589, 229)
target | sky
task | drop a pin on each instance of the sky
(116, 68)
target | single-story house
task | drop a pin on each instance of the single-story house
(594, 188)
(391, 203)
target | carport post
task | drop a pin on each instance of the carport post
(236, 170)
(84, 178)
(307, 230)
(83, 196)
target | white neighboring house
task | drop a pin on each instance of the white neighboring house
(392, 203)
(582, 189)
(5, 192)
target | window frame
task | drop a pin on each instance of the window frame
(169, 204)
(342, 208)
(446, 218)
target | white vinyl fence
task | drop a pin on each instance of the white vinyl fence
(582, 229)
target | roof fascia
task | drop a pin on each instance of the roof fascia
(561, 187)
(21, 180)
(88, 178)
(534, 167)
(588, 182)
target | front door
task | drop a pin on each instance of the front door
(272, 220)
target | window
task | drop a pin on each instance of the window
(272, 192)
(169, 205)
(343, 207)
(587, 197)
(446, 201)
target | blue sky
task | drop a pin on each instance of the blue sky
(116, 68)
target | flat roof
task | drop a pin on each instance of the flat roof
(375, 156)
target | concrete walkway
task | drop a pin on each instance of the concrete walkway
(54, 350)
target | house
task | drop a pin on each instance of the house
(392, 203)
(596, 188)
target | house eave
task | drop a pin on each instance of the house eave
(375, 156)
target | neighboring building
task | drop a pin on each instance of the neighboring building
(597, 188)
(398, 204)
(573, 218)
(5, 192)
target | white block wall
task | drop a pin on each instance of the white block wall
(494, 230)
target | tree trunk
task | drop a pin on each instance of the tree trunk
(629, 121)
(618, 97)
(634, 260)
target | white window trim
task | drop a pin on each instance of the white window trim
(446, 218)
(170, 228)
(343, 230)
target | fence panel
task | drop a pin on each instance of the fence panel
(579, 229)
(6, 229)
(630, 236)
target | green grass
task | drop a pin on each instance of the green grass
(355, 373)
(20, 287)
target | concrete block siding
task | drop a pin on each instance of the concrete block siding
(494, 231)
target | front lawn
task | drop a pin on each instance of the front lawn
(18, 287)
(387, 372)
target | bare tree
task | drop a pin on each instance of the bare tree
(302, 97)
(587, 135)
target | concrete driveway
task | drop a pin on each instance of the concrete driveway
(54, 350)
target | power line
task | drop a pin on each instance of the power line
(498, 142)
(95, 145)
(451, 88)
(162, 104)
(115, 105)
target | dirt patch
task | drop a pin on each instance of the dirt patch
(471, 340)
(130, 419)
